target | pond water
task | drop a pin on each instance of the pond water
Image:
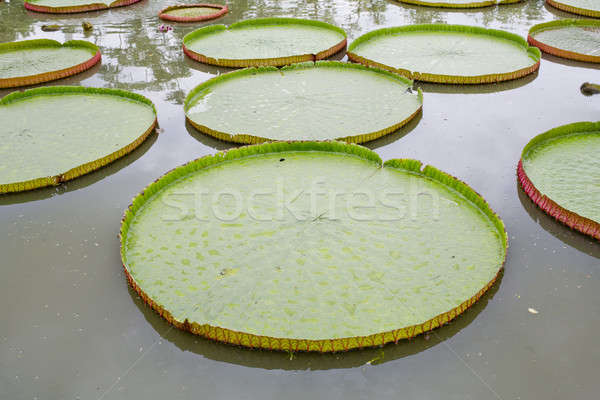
(70, 327)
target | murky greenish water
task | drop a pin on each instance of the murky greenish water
(70, 328)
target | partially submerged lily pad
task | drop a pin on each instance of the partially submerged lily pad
(310, 246)
(57, 133)
(73, 6)
(458, 3)
(447, 53)
(307, 101)
(264, 42)
(51, 28)
(577, 39)
(590, 8)
(559, 171)
(193, 12)
(589, 89)
(41, 60)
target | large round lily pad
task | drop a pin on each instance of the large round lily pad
(193, 12)
(559, 171)
(313, 246)
(264, 42)
(35, 61)
(447, 53)
(73, 6)
(308, 101)
(577, 39)
(458, 3)
(53, 134)
(590, 8)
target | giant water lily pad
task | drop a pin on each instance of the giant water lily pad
(53, 134)
(309, 101)
(458, 3)
(193, 12)
(263, 42)
(35, 61)
(312, 246)
(447, 53)
(577, 39)
(590, 8)
(559, 170)
(73, 6)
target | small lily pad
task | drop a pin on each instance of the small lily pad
(308, 101)
(310, 246)
(577, 39)
(559, 171)
(41, 60)
(193, 12)
(53, 134)
(264, 42)
(447, 53)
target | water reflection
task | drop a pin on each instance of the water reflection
(399, 134)
(477, 89)
(134, 61)
(206, 68)
(560, 231)
(129, 38)
(208, 140)
(186, 341)
(569, 63)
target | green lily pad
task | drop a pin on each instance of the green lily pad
(73, 6)
(53, 134)
(309, 101)
(458, 3)
(590, 8)
(263, 42)
(34, 61)
(560, 171)
(447, 53)
(193, 12)
(577, 39)
(314, 246)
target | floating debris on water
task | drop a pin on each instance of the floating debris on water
(590, 89)
(50, 28)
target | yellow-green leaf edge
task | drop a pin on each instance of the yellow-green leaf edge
(533, 52)
(89, 166)
(252, 139)
(298, 344)
(263, 62)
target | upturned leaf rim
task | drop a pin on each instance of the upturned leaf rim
(244, 339)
